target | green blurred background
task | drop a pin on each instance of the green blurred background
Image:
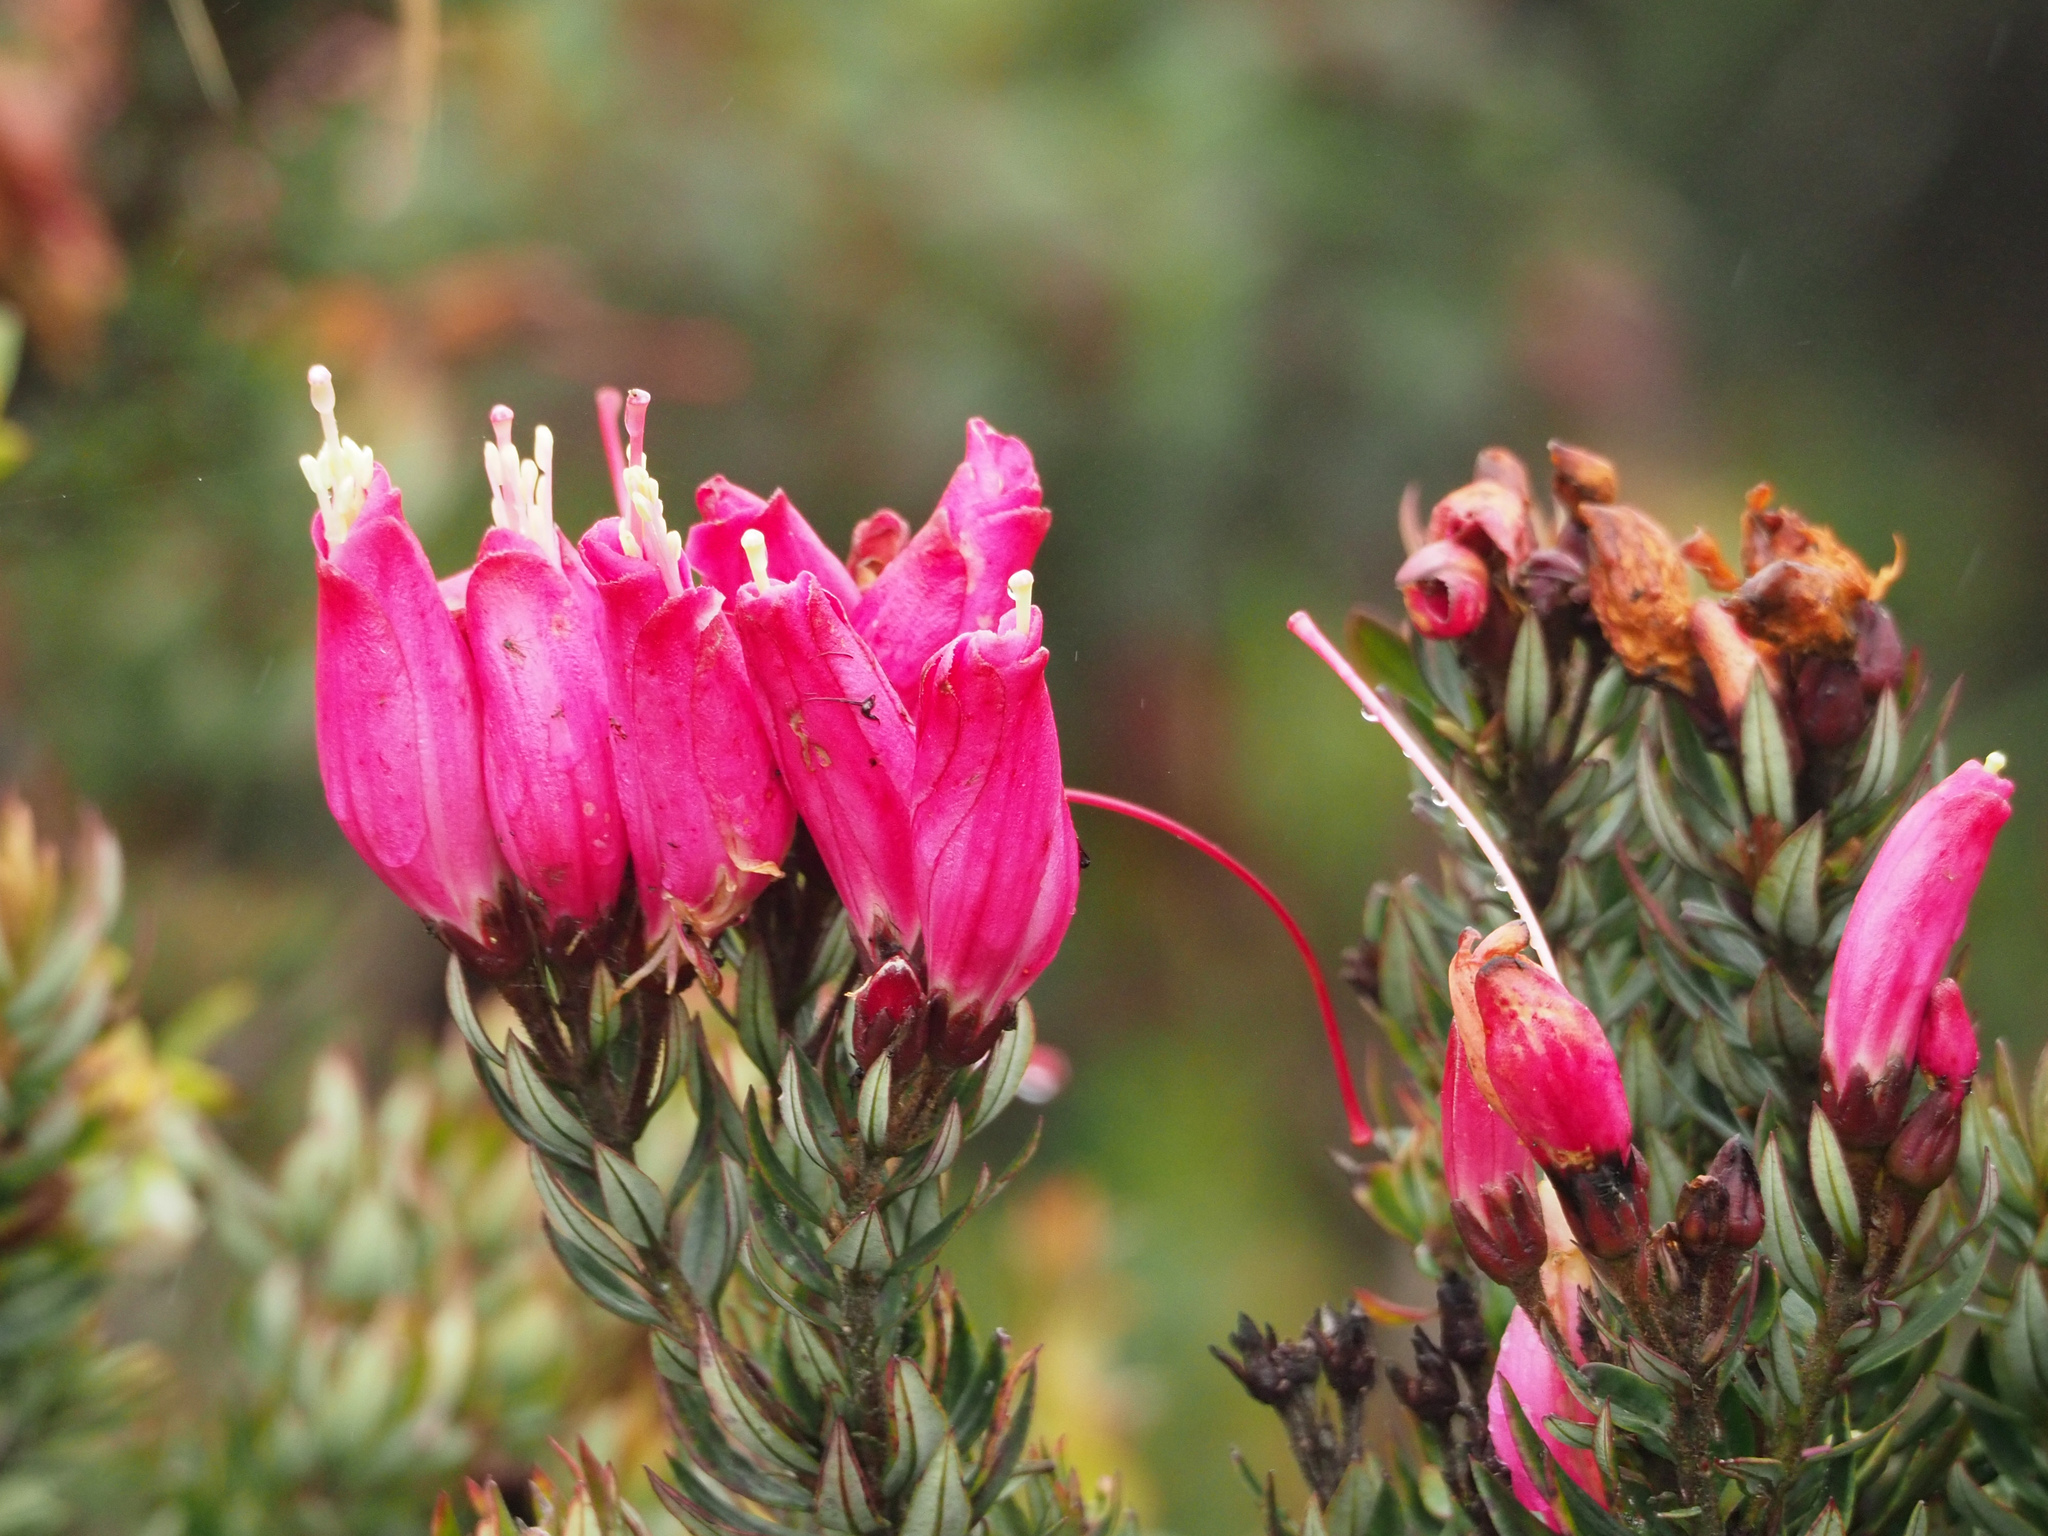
(1236, 269)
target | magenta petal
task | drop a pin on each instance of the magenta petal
(1481, 1150)
(845, 746)
(995, 843)
(1554, 1074)
(1540, 1389)
(996, 475)
(730, 511)
(1446, 588)
(1906, 920)
(914, 607)
(1948, 1038)
(534, 632)
(396, 721)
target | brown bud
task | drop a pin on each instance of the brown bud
(1505, 1237)
(1735, 1171)
(1431, 1394)
(1923, 1154)
(1343, 1342)
(1829, 706)
(1606, 1204)
(1579, 475)
(1553, 580)
(1880, 653)
(1461, 1325)
(1272, 1371)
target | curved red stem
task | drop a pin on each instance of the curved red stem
(1361, 1128)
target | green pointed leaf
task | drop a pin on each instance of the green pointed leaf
(1880, 765)
(754, 1021)
(864, 1246)
(939, 1154)
(1510, 1516)
(1528, 700)
(1666, 827)
(1828, 1522)
(845, 1504)
(917, 1425)
(1637, 1403)
(1605, 707)
(632, 1201)
(874, 1103)
(1983, 1511)
(1917, 1526)
(939, 1505)
(812, 1357)
(1832, 1186)
(555, 1129)
(1004, 1073)
(747, 1422)
(1787, 900)
(708, 1245)
(1382, 653)
(1356, 1504)
(1927, 1318)
(601, 1283)
(1767, 780)
(1785, 1242)
(464, 1014)
(807, 1112)
(1780, 1025)
(573, 1222)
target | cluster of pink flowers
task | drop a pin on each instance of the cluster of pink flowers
(536, 746)
(1531, 1082)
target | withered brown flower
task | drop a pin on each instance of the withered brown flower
(1804, 584)
(1639, 592)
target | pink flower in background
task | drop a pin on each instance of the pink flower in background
(706, 816)
(534, 618)
(1046, 1075)
(952, 578)
(845, 745)
(1446, 589)
(1904, 924)
(1540, 1389)
(997, 860)
(1491, 1178)
(396, 717)
(730, 512)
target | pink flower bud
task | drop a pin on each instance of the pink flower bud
(845, 746)
(1491, 1178)
(996, 855)
(1555, 1080)
(707, 818)
(396, 719)
(534, 625)
(951, 578)
(1948, 1040)
(1446, 588)
(1542, 1392)
(730, 512)
(877, 540)
(1489, 516)
(1904, 923)
(889, 1014)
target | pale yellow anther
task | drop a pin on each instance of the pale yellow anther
(1020, 594)
(757, 555)
(1994, 762)
(339, 473)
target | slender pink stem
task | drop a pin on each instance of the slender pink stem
(609, 403)
(1376, 710)
(1361, 1128)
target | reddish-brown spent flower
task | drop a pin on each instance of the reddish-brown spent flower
(1446, 588)
(1730, 658)
(889, 1013)
(1640, 594)
(1905, 921)
(1580, 476)
(1804, 584)
(1491, 515)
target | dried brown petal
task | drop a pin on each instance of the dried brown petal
(1580, 475)
(1503, 466)
(1703, 553)
(1640, 594)
(1800, 608)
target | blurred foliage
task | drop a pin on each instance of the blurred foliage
(1236, 271)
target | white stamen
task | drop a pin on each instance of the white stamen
(675, 544)
(1994, 762)
(339, 473)
(757, 555)
(1020, 594)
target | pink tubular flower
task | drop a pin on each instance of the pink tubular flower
(1539, 1386)
(950, 579)
(1554, 1078)
(1904, 923)
(844, 743)
(997, 861)
(730, 513)
(395, 718)
(706, 816)
(1491, 1178)
(1446, 589)
(534, 621)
